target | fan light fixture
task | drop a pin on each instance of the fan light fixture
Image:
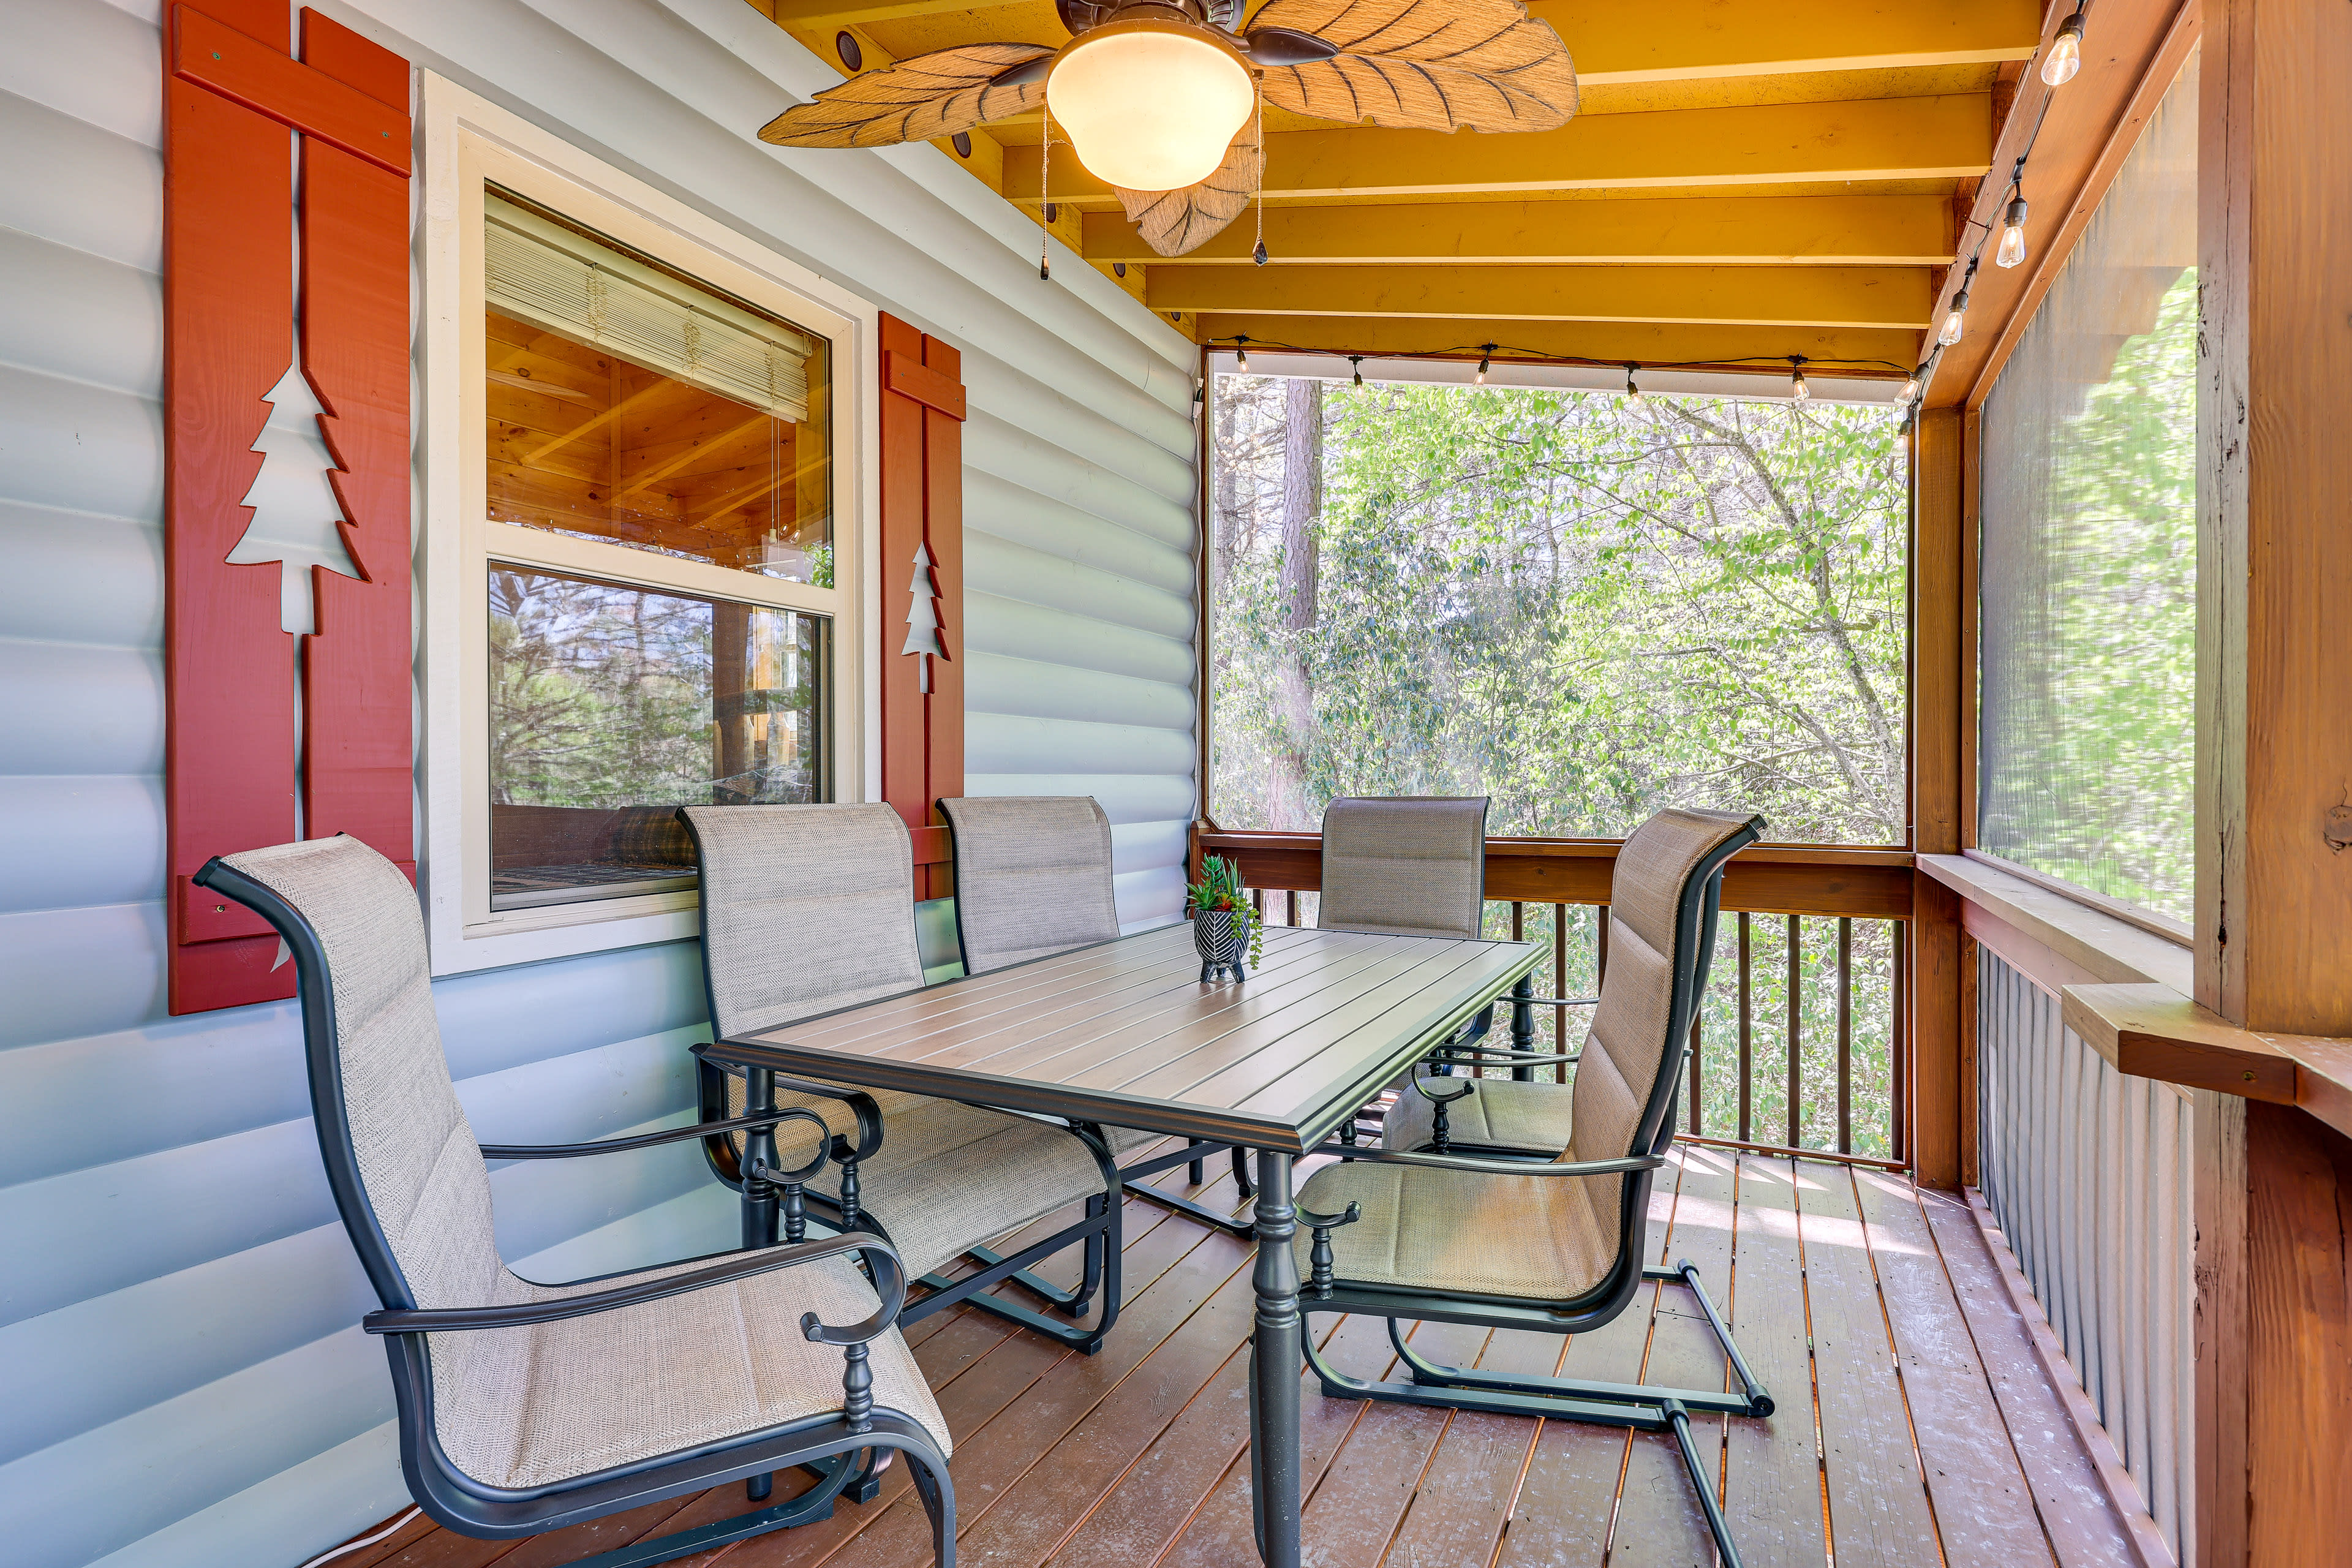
(1150, 105)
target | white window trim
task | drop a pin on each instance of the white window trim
(468, 141)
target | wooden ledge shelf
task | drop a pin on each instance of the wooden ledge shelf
(2153, 1031)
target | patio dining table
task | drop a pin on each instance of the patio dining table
(1125, 1034)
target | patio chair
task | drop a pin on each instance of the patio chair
(1416, 866)
(1034, 880)
(810, 909)
(526, 1406)
(1554, 1246)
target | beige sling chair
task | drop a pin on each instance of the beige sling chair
(807, 910)
(526, 1406)
(1033, 880)
(1552, 1244)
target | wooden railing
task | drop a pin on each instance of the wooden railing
(1804, 1096)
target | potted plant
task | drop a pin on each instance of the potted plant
(1223, 924)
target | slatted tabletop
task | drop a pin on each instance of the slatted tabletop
(1125, 1033)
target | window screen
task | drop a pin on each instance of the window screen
(2089, 541)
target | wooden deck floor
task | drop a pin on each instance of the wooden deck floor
(1916, 1424)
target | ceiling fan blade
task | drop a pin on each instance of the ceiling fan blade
(1173, 222)
(917, 100)
(1434, 65)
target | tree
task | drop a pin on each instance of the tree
(295, 511)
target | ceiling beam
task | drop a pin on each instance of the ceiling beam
(1670, 40)
(1944, 137)
(1867, 296)
(1857, 350)
(1849, 231)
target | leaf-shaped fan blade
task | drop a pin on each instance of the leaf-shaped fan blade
(917, 100)
(1433, 65)
(1173, 222)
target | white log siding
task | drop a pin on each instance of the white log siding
(2088, 1173)
(182, 1379)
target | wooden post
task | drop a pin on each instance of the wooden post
(2274, 766)
(1938, 706)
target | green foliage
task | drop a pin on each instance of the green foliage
(1582, 610)
(1220, 889)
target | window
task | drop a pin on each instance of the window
(644, 522)
(1583, 608)
(2089, 538)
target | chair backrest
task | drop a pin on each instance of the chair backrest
(805, 909)
(400, 1155)
(1406, 866)
(1033, 876)
(1662, 898)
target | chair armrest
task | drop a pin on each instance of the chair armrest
(649, 1139)
(890, 1283)
(1497, 1167)
(1504, 1054)
(1554, 1001)
(721, 1054)
(1419, 1087)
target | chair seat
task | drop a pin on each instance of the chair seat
(1128, 1140)
(1537, 1238)
(1498, 1113)
(531, 1407)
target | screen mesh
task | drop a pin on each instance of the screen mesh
(2089, 541)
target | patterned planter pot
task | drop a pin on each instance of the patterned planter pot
(1222, 939)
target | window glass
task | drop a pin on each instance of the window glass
(1585, 608)
(631, 405)
(612, 705)
(2089, 535)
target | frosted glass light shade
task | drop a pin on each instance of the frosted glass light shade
(1148, 106)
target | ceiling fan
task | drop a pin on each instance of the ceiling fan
(1159, 98)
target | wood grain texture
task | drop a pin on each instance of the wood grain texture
(1939, 707)
(2298, 1340)
(1125, 1032)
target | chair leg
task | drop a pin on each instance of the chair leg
(1102, 1232)
(1241, 1174)
(1199, 1170)
(938, 1493)
(810, 1506)
(758, 1488)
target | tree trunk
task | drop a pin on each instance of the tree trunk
(1302, 507)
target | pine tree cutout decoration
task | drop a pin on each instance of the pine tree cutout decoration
(295, 512)
(923, 622)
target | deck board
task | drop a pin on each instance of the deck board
(1139, 1456)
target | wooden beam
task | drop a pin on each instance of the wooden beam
(1677, 40)
(1867, 351)
(1944, 137)
(1781, 296)
(1835, 231)
(1935, 705)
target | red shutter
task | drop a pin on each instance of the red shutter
(922, 512)
(231, 89)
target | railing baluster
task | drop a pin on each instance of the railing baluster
(1747, 1032)
(1695, 1128)
(1257, 903)
(1600, 949)
(1292, 897)
(1560, 988)
(1898, 1044)
(1845, 1034)
(1796, 1061)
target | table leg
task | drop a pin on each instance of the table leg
(1274, 1352)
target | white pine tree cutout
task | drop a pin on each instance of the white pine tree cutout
(295, 511)
(923, 618)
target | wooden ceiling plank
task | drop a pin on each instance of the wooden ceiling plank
(1865, 297)
(1860, 230)
(1867, 352)
(1871, 140)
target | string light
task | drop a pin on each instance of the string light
(1633, 398)
(2012, 229)
(1357, 361)
(1955, 319)
(2065, 56)
(1240, 354)
(1909, 391)
(1484, 359)
(1798, 390)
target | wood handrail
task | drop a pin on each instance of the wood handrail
(1871, 883)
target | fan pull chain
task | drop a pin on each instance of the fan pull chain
(1258, 254)
(1045, 199)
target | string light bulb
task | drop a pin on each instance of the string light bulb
(1357, 361)
(1955, 320)
(1799, 391)
(2065, 56)
(1484, 359)
(1240, 354)
(1908, 393)
(1633, 398)
(2013, 231)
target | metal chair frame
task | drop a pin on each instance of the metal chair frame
(1642, 1406)
(844, 1450)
